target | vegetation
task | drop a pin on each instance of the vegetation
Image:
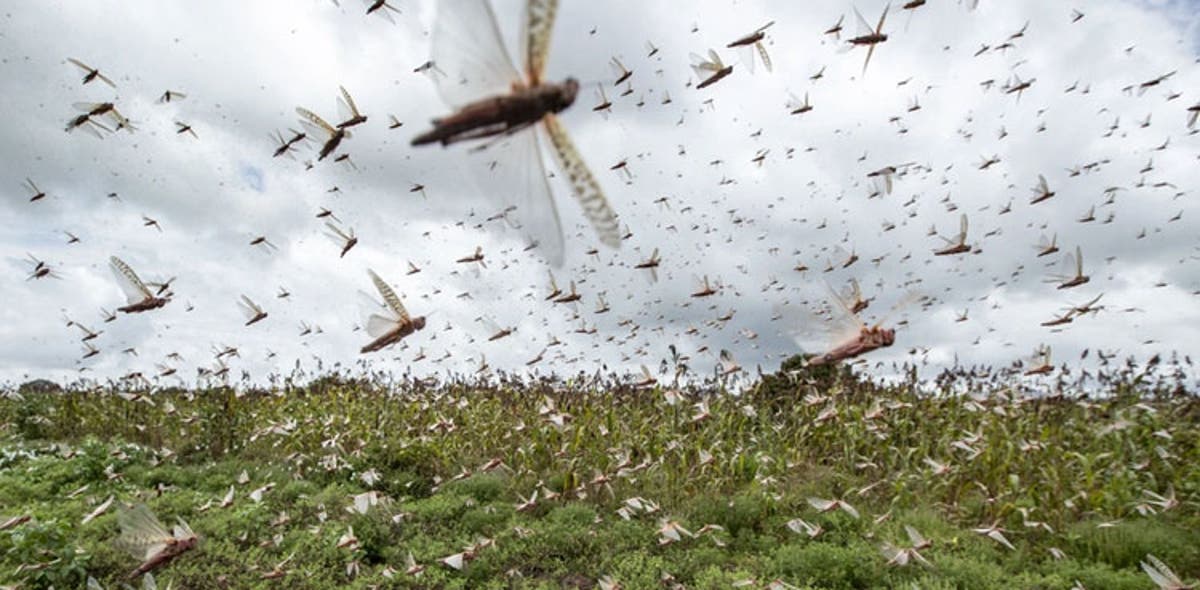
(548, 485)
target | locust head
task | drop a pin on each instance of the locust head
(885, 336)
(418, 322)
(565, 96)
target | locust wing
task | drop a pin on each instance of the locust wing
(347, 110)
(518, 177)
(379, 318)
(389, 296)
(468, 47)
(89, 70)
(595, 205)
(142, 535)
(539, 24)
(135, 290)
(249, 308)
(314, 124)
(864, 28)
(706, 66)
(821, 323)
(337, 235)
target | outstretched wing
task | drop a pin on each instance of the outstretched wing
(864, 28)
(818, 329)
(389, 296)
(539, 24)
(762, 52)
(518, 176)
(917, 539)
(314, 122)
(595, 206)
(378, 318)
(135, 290)
(346, 103)
(1067, 267)
(467, 46)
(1160, 573)
(141, 532)
(336, 234)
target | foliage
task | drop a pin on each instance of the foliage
(457, 468)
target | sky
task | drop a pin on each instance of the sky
(693, 186)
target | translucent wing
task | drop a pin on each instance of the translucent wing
(135, 290)
(491, 326)
(899, 306)
(468, 47)
(249, 308)
(852, 294)
(141, 532)
(313, 123)
(347, 109)
(1160, 573)
(962, 235)
(820, 327)
(389, 296)
(706, 66)
(518, 176)
(762, 52)
(915, 537)
(336, 234)
(1078, 270)
(747, 57)
(539, 25)
(701, 66)
(863, 27)
(379, 319)
(618, 69)
(182, 530)
(882, 17)
(893, 554)
(1068, 266)
(595, 206)
(841, 312)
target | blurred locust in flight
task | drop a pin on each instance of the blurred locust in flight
(147, 539)
(709, 70)
(751, 44)
(493, 100)
(388, 323)
(137, 294)
(91, 73)
(868, 36)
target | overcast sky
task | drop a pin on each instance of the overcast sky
(245, 67)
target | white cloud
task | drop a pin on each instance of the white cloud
(245, 67)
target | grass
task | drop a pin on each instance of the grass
(458, 463)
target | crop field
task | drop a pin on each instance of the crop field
(797, 482)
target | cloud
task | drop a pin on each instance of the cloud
(742, 223)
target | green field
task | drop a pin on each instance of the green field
(1083, 490)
